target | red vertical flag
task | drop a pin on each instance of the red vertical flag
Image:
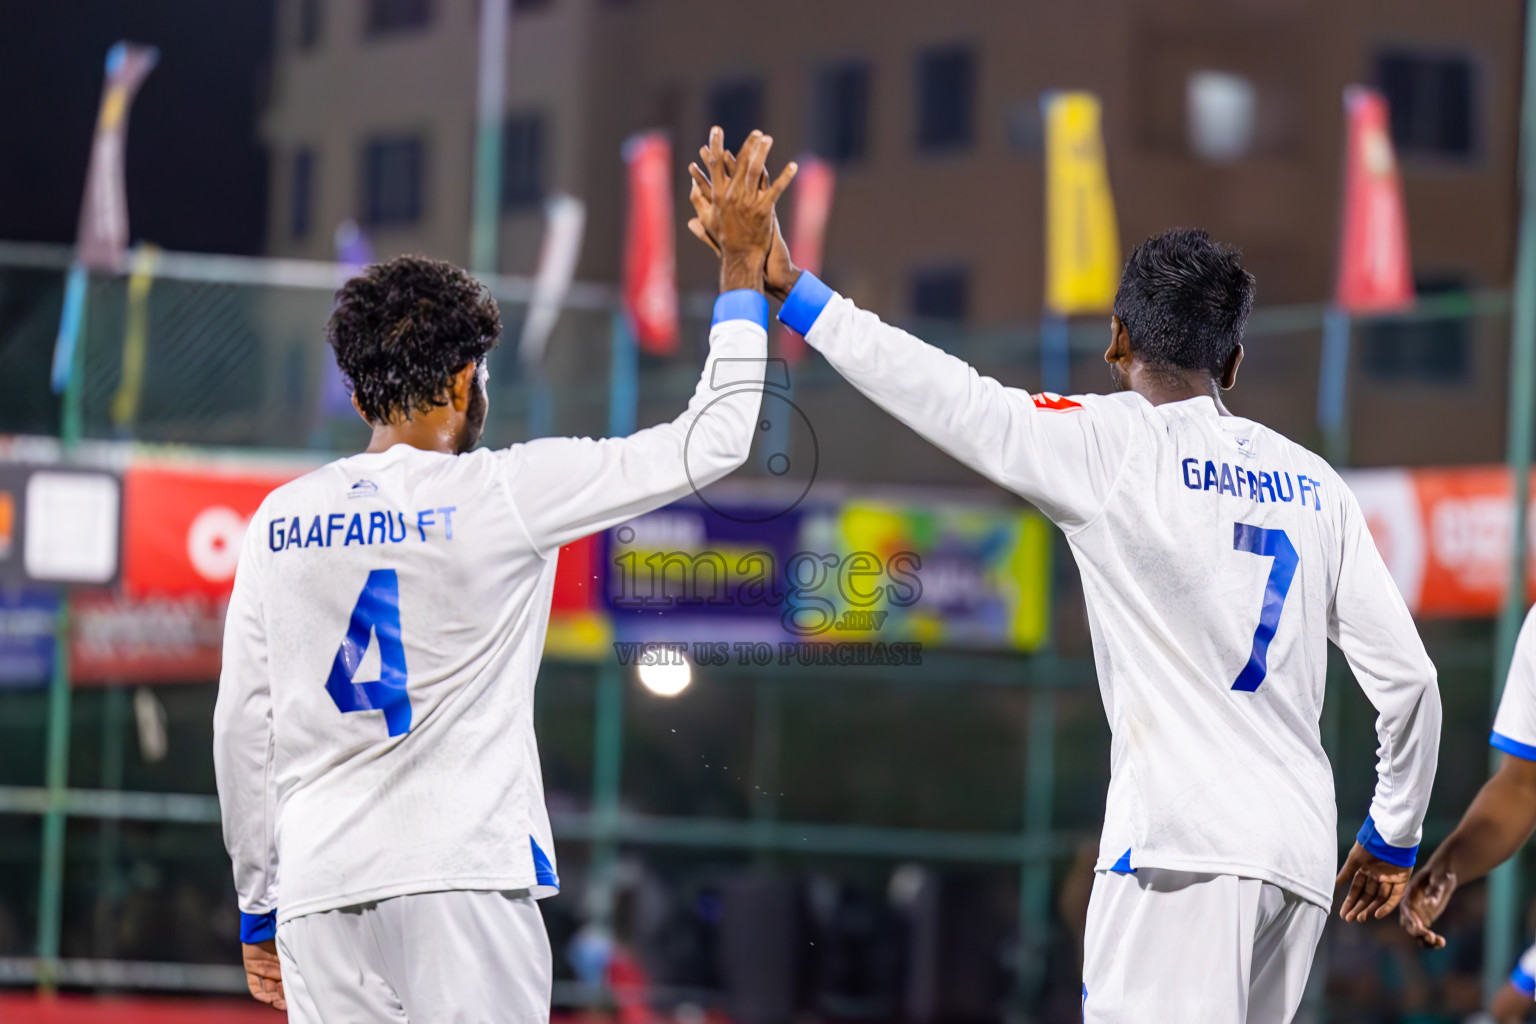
(808, 230)
(650, 250)
(1374, 272)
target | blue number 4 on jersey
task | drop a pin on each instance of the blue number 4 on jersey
(377, 612)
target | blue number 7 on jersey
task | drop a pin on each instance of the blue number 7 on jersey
(1269, 544)
(377, 612)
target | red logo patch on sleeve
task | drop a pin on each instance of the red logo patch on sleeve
(1051, 400)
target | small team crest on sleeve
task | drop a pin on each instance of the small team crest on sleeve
(364, 488)
(1051, 400)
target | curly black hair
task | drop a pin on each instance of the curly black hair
(1184, 300)
(402, 329)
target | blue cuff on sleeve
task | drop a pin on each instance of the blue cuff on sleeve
(741, 304)
(806, 301)
(257, 927)
(1499, 741)
(1368, 837)
(1523, 981)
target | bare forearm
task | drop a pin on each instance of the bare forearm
(741, 270)
(1498, 823)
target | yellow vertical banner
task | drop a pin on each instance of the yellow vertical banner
(125, 403)
(1082, 242)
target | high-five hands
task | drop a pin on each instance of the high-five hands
(1428, 893)
(710, 191)
(740, 215)
(1374, 886)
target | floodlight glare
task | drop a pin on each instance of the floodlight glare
(667, 680)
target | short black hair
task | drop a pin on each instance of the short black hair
(402, 329)
(1184, 300)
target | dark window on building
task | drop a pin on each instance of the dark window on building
(1431, 98)
(389, 16)
(522, 161)
(941, 294)
(946, 97)
(392, 172)
(302, 193)
(1435, 351)
(737, 107)
(840, 130)
(309, 24)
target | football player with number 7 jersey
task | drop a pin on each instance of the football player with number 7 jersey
(1218, 559)
(378, 774)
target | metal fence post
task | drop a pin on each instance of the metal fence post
(491, 86)
(1333, 387)
(1503, 915)
(607, 773)
(1035, 874)
(50, 896)
(623, 379)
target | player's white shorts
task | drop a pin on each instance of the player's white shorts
(449, 957)
(1173, 947)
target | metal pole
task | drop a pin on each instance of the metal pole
(1333, 386)
(1035, 878)
(1503, 915)
(50, 896)
(767, 736)
(114, 710)
(774, 455)
(541, 412)
(623, 379)
(1055, 354)
(607, 773)
(494, 18)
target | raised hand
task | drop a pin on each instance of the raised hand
(1374, 886)
(779, 271)
(1428, 893)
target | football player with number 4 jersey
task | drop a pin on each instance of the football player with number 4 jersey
(377, 768)
(1218, 559)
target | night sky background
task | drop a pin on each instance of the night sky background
(196, 169)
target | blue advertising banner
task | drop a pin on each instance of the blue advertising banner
(681, 572)
(27, 617)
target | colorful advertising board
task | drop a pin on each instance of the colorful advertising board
(959, 576)
(942, 574)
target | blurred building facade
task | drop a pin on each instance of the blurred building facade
(1226, 115)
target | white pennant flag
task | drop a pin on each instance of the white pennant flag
(565, 218)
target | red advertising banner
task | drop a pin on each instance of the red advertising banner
(1374, 272)
(183, 526)
(650, 246)
(814, 186)
(117, 639)
(1446, 536)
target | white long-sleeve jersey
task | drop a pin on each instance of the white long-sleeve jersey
(1217, 559)
(1514, 727)
(373, 735)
